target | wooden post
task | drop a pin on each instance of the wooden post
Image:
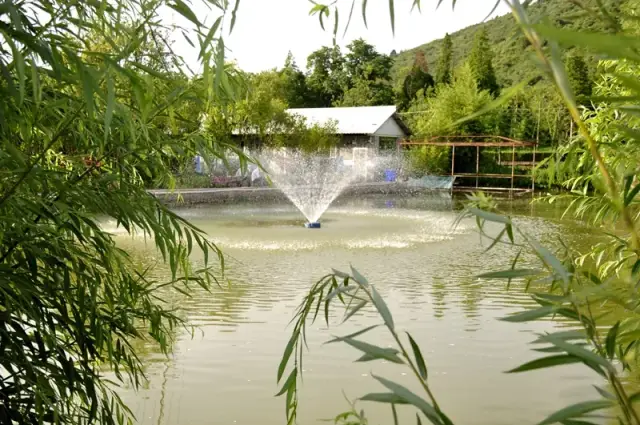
(533, 170)
(477, 164)
(513, 166)
(453, 160)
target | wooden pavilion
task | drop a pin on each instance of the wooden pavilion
(478, 142)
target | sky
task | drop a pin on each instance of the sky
(266, 30)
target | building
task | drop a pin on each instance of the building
(374, 127)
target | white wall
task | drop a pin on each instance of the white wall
(390, 128)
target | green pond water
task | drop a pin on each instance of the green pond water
(226, 372)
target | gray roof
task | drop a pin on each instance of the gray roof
(350, 120)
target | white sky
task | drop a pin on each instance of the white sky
(266, 30)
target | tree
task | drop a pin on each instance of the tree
(368, 76)
(436, 115)
(416, 80)
(326, 77)
(393, 53)
(294, 84)
(578, 74)
(481, 63)
(443, 71)
(81, 130)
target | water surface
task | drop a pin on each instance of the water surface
(225, 373)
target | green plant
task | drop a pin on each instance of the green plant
(93, 108)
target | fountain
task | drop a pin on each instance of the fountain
(311, 181)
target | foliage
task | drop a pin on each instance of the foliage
(512, 52)
(294, 84)
(296, 133)
(445, 65)
(438, 114)
(481, 63)
(578, 74)
(82, 127)
(429, 160)
(326, 78)
(416, 80)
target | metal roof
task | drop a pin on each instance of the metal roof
(350, 120)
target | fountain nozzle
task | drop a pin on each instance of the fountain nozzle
(314, 225)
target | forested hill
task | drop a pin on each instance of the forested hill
(506, 40)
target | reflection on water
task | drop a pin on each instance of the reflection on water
(423, 267)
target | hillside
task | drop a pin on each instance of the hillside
(507, 41)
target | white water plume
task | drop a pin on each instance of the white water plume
(311, 181)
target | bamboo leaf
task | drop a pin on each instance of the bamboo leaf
(578, 351)
(488, 216)
(511, 274)
(577, 410)
(382, 308)
(392, 15)
(615, 46)
(358, 277)
(353, 335)
(411, 398)
(384, 398)
(422, 367)
(291, 380)
(354, 310)
(364, 13)
(287, 354)
(233, 16)
(182, 8)
(610, 342)
(528, 315)
(546, 362)
(210, 35)
(390, 354)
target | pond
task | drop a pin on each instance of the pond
(225, 373)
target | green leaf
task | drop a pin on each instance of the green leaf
(411, 398)
(528, 315)
(111, 99)
(392, 15)
(546, 362)
(631, 195)
(416, 3)
(489, 216)
(149, 70)
(510, 274)
(210, 35)
(287, 354)
(358, 277)
(390, 354)
(336, 20)
(354, 310)
(494, 104)
(353, 3)
(614, 46)
(550, 260)
(382, 308)
(233, 16)
(422, 367)
(340, 274)
(610, 342)
(353, 335)
(181, 7)
(364, 13)
(290, 381)
(384, 398)
(587, 356)
(577, 410)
